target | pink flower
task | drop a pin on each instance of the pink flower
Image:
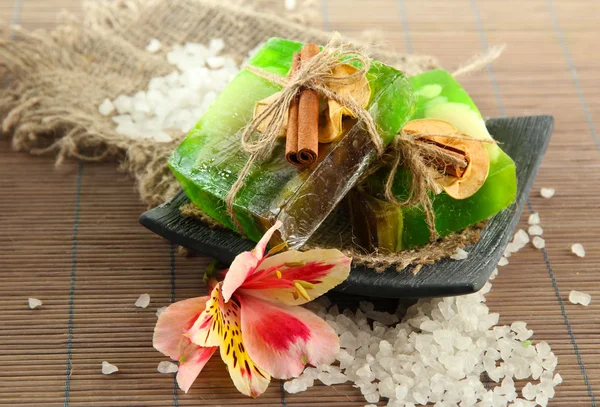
(254, 318)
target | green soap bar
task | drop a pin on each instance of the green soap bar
(439, 96)
(208, 161)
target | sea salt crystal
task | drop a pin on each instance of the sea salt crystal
(534, 219)
(543, 349)
(143, 301)
(295, 386)
(459, 254)
(387, 388)
(529, 391)
(557, 379)
(349, 341)
(215, 62)
(108, 368)
(290, 4)
(541, 400)
(153, 46)
(578, 249)
(160, 311)
(578, 297)
(372, 397)
(106, 107)
(538, 242)
(167, 367)
(535, 230)
(521, 238)
(329, 379)
(547, 192)
(34, 303)
(503, 261)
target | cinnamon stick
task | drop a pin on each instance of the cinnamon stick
(291, 141)
(308, 116)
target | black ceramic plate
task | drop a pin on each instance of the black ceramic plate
(525, 139)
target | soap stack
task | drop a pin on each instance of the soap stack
(480, 182)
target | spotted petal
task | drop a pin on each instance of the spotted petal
(245, 264)
(209, 327)
(170, 340)
(220, 323)
(282, 339)
(295, 277)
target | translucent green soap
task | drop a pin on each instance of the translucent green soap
(380, 224)
(208, 161)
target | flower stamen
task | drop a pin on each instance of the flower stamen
(278, 274)
(301, 290)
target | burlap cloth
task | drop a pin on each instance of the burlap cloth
(57, 80)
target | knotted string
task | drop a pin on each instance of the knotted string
(315, 74)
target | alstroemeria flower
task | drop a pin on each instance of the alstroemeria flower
(254, 317)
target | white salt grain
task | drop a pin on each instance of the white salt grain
(372, 397)
(459, 254)
(167, 367)
(578, 249)
(329, 379)
(290, 4)
(215, 62)
(108, 368)
(143, 301)
(557, 379)
(535, 230)
(34, 303)
(153, 46)
(547, 192)
(521, 238)
(534, 219)
(294, 386)
(578, 297)
(538, 242)
(106, 107)
(503, 261)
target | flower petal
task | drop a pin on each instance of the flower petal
(245, 264)
(316, 271)
(247, 377)
(174, 322)
(220, 324)
(170, 340)
(282, 339)
(191, 363)
(209, 327)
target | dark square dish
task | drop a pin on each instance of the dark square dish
(525, 139)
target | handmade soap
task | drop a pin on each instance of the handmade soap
(381, 224)
(208, 161)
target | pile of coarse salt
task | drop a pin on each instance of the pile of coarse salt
(175, 102)
(437, 354)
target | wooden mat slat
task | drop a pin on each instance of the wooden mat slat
(117, 260)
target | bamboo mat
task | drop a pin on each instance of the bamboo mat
(70, 236)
